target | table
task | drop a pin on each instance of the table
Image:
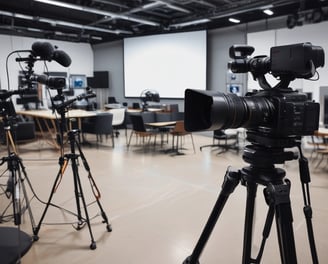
(163, 127)
(322, 132)
(52, 129)
(161, 124)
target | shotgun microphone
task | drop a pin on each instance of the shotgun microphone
(44, 50)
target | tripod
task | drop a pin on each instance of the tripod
(16, 188)
(73, 137)
(262, 158)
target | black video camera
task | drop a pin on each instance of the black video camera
(274, 112)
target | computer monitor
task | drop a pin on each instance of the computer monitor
(78, 81)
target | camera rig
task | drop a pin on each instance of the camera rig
(272, 112)
(275, 119)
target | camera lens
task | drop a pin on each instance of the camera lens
(207, 110)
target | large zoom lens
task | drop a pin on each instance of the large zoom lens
(208, 110)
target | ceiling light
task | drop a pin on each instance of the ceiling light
(234, 20)
(189, 23)
(269, 12)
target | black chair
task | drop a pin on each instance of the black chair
(139, 129)
(101, 124)
(224, 141)
(112, 100)
(21, 130)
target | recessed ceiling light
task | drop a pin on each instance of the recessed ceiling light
(234, 20)
(269, 12)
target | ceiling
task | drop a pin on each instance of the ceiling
(97, 21)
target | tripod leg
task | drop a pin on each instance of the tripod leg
(22, 179)
(79, 194)
(231, 180)
(248, 228)
(279, 196)
(62, 163)
(95, 190)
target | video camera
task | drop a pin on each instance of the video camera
(272, 112)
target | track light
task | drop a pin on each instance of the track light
(234, 20)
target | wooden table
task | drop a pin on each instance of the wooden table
(161, 124)
(42, 116)
(322, 132)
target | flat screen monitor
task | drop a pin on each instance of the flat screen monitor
(166, 63)
(78, 81)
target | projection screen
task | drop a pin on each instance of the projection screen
(166, 63)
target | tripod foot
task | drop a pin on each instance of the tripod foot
(188, 261)
(109, 228)
(35, 238)
(93, 245)
(79, 225)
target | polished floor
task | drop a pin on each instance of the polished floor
(157, 205)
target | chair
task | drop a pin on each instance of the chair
(118, 120)
(164, 117)
(111, 100)
(21, 130)
(101, 124)
(225, 140)
(178, 132)
(139, 129)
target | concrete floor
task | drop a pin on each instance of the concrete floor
(157, 205)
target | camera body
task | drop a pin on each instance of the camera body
(293, 114)
(277, 112)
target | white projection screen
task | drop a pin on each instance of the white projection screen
(167, 63)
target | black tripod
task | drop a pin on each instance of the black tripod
(262, 158)
(73, 137)
(15, 187)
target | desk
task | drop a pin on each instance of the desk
(163, 127)
(40, 115)
(161, 124)
(322, 132)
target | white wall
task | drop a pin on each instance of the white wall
(80, 53)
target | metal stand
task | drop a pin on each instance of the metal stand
(262, 171)
(74, 140)
(79, 196)
(16, 189)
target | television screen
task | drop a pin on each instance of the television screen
(78, 81)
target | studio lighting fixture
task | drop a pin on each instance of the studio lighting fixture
(234, 20)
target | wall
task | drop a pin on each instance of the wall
(109, 56)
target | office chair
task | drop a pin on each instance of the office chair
(225, 141)
(101, 124)
(118, 120)
(139, 129)
(111, 100)
(178, 132)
